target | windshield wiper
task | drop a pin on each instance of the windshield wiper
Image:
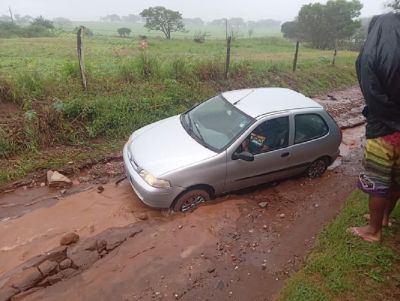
(188, 122)
(198, 131)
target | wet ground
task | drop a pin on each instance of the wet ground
(229, 249)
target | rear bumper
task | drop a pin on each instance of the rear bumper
(153, 197)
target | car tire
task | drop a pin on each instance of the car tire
(190, 200)
(317, 168)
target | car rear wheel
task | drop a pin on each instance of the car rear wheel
(317, 168)
(190, 200)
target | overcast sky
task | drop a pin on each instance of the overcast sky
(85, 10)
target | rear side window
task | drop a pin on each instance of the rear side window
(309, 127)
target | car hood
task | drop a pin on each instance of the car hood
(165, 146)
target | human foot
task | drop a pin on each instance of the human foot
(364, 233)
(385, 223)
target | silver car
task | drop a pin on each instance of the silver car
(234, 140)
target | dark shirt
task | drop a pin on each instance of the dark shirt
(378, 70)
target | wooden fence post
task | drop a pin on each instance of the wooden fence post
(296, 56)
(226, 29)
(228, 56)
(334, 54)
(81, 57)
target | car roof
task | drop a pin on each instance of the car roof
(262, 101)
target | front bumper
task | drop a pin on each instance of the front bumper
(149, 195)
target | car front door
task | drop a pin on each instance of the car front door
(268, 143)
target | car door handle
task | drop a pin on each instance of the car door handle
(284, 155)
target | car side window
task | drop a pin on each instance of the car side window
(271, 135)
(309, 127)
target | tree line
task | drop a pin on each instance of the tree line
(325, 25)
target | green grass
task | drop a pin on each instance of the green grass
(343, 267)
(213, 32)
(55, 157)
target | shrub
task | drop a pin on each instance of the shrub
(7, 145)
(148, 66)
(30, 84)
(70, 69)
(178, 69)
(206, 70)
(9, 30)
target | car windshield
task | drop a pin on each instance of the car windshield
(216, 123)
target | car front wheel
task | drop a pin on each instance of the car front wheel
(317, 168)
(191, 199)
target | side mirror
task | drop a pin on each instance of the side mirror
(245, 156)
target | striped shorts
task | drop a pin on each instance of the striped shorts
(381, 165)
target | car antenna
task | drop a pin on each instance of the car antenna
(235, 103)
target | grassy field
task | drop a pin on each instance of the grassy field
(129, 87)
(212, 31)
(343, 267)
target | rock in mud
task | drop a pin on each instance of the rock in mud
(47, 267)
(263, 204)
(101, 245)
(115, 240)
(54, 279)
(26, 279)
(56, 179)
(82, 258)
(100, 189)
(220, 285)
(143, 216)
(69, 239)
(7, 292)
(22, 295)
(58, 254)
(65, 264)
(68, 272)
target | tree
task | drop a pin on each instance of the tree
(60, 21)
(394, 5)
(236, 22)
(250, 32)
(131, 18)
(23, 20)
(218, 22)
(124, 32)
(323, 25)
(162, 19)
(193, 22)
(268, 23)
(290, 30)
(111, 18)
(40, 21)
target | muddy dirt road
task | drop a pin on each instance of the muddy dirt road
(229, 249)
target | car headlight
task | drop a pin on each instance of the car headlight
(153, 181)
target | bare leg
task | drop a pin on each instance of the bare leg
(373, 232)
(391, 204)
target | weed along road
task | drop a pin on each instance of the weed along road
(238, 247)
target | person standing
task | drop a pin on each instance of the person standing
(378, 71)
